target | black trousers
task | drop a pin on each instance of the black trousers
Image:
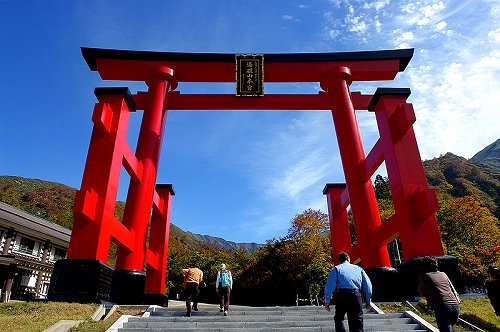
(348, 301)
(191, 293)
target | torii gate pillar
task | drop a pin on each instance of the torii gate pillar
(363, 202)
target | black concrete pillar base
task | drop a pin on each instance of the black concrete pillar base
(128, 287)
(410, 270)
(155, 299)
(384, 283)
(80, 280)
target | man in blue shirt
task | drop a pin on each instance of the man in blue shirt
(347, 280)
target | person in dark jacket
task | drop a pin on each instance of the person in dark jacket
(493, 288)
(440, 294)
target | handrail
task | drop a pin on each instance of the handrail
(460, 320)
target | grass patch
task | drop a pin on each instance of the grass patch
(477, 307)
(103, 325)
(37, 316)
(480, 308)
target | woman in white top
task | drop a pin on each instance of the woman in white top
(223, 286)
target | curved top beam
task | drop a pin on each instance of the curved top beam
(219, 67)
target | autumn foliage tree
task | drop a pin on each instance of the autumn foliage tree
(296, 264)
(472, 234)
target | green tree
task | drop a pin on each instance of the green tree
(382, 188)
(315, 277)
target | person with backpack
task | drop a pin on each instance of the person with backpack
(223, 287)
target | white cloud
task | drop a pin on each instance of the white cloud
(430, 11)
(423, 21)
(332, 34)
(420, 13)
(494, 36)
(495, 10)
(422, 78)
(356, 24)
(377, 5)
(289, 168)
(294, 163)
(358, 27)
(451, 91)
(336, 2)
(351, 10)
(408, 35)
(440, 26)
(403, 39)
(455, 111)
(290, 18)
(409, 8)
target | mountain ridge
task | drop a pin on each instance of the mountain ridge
(457, 177)
(54, 201)
(489, 156)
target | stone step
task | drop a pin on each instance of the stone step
(372, 318)
(249, 309)
(281, 329)
(246, 308)
(251, 319)
(136, 324)
(242, 312)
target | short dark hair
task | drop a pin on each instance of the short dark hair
(430, 264)
(342, 256)
(494, 271)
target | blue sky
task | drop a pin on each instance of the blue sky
(242, 175)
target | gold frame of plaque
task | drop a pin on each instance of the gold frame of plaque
(249, 75)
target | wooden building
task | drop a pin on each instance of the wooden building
(29, 247)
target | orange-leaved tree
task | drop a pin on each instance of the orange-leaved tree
(471, 233)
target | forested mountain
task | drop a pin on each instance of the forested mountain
(220, 242)
(490, 156)
(460, 177)
(54, 201)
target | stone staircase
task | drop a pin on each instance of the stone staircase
(251, 319)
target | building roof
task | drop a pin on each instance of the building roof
(32, 225)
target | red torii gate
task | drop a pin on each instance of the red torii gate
(84, 276)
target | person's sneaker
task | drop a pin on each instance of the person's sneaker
(188, 314)
(225, 313)
(221, 310)
(195, 309)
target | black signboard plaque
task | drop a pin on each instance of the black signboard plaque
(249, 75)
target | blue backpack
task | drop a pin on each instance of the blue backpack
(224, 278)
